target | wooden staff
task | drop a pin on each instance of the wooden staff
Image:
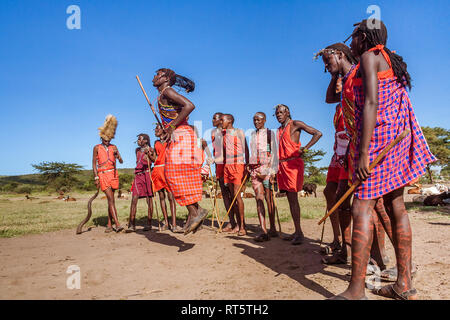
(399, 138)
(232, 202)
(154, 195)
(89, 205)
(215, 199)
(275, 207)
(323, 229)
(149, 103)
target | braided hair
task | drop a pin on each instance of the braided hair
(375, 36)
(339, 46)
(177, 80)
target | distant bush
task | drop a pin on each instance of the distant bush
(24, 189)
(10, 187)
(319, 179)
(89, 185)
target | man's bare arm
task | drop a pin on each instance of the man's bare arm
(316, 134)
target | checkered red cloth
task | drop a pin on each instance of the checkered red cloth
(407, 160)
(182, 167)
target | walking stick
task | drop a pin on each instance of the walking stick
(215, 199)
(232, 202)
(149, 103)
(154, 195)
(80, 226)
(399, 138)
(321, 237)
(275, 207)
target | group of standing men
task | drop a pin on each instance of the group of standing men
(369, 81)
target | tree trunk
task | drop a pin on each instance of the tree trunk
(430, 174)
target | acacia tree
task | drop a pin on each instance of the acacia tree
(58, 174)
(313, 173)
(439, 142)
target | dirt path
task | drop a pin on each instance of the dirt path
(205, 265)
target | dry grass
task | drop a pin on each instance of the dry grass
(19, 216)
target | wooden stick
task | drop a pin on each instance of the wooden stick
(275, 207)
(215, 209)
(154, 195)
(323, 229)
(399, 138)
(89, 206)
(216, 205)
(232, 202)
(149, 103)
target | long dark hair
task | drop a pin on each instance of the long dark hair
(376, 36)
(177, 80)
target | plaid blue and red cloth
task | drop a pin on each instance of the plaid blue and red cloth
(406, 161)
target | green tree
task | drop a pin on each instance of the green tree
(439, 142)
(313, 173)
(58, 174)
(125, 180)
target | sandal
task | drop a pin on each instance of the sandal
(289, 237)
(389, 292)
(298, 239)
(130, 229)
(336, 258)
(177, 229)
(200, 226)
(391, 273)
(164, 227)
(332, 248)
(109, 229)
(195, 222)
(262, 237)
(119, 229)
(228, 228)
(242, 233)
(273, 234)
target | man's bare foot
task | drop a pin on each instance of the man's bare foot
(273, 233)
(242, 232)
(228, 228)
(235, 230)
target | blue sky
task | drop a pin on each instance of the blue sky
(57, 85)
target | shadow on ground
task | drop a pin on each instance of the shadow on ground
(297, 262)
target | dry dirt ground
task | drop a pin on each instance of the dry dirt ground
(205, 265)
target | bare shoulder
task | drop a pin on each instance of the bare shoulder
(297, 124)
(169, 92)
(368, 57)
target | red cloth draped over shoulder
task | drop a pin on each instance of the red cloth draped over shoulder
(291, 166)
